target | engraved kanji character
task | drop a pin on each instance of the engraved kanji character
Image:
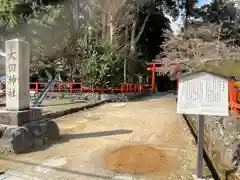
(12, 67)
(11, 92)
(11, 55)
(12, 79)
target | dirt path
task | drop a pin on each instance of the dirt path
(88, 136)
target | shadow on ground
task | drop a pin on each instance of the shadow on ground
(61, 104)
(96, 134)
(154, 96)
(68, 137)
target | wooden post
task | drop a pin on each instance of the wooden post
(131, 85)
(59, 87)
(200, 147)
(71, 90)
(81, 87)
(36, 88)
(153, 78)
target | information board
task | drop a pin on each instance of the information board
(203, 94)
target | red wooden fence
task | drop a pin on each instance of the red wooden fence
(234, 104)
(73, 87)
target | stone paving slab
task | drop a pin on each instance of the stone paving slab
(55, 105)
(16, 175)
(196, 178)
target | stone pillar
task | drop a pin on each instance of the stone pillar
(21, 127)
(17, 75)
(18, 112)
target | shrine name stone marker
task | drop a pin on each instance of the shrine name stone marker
(17, 74)
(22, 127)
(18, 110)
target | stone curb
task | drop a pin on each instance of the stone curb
(58, 114)
(73, 110)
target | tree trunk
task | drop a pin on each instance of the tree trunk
(125, 59)
(86, 37)
(96, 37)
(125, 70)
(111, 29)
(70, 73)
(89, 34)
(104, 26)
(134, 38)
(75, 14)
(133, 34)
(186, 18)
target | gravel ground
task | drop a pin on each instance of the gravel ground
(88, 136)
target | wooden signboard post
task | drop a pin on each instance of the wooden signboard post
(202, 93)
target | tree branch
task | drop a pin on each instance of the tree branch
(142, 28)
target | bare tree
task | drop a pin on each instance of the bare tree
(110, 9)
(201, 45)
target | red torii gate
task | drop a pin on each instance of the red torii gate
(155, 66)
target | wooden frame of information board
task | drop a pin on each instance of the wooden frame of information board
(202, 93)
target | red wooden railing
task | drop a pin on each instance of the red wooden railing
(234, 104)
(71, 87)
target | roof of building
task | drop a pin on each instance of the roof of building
(205, 71)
